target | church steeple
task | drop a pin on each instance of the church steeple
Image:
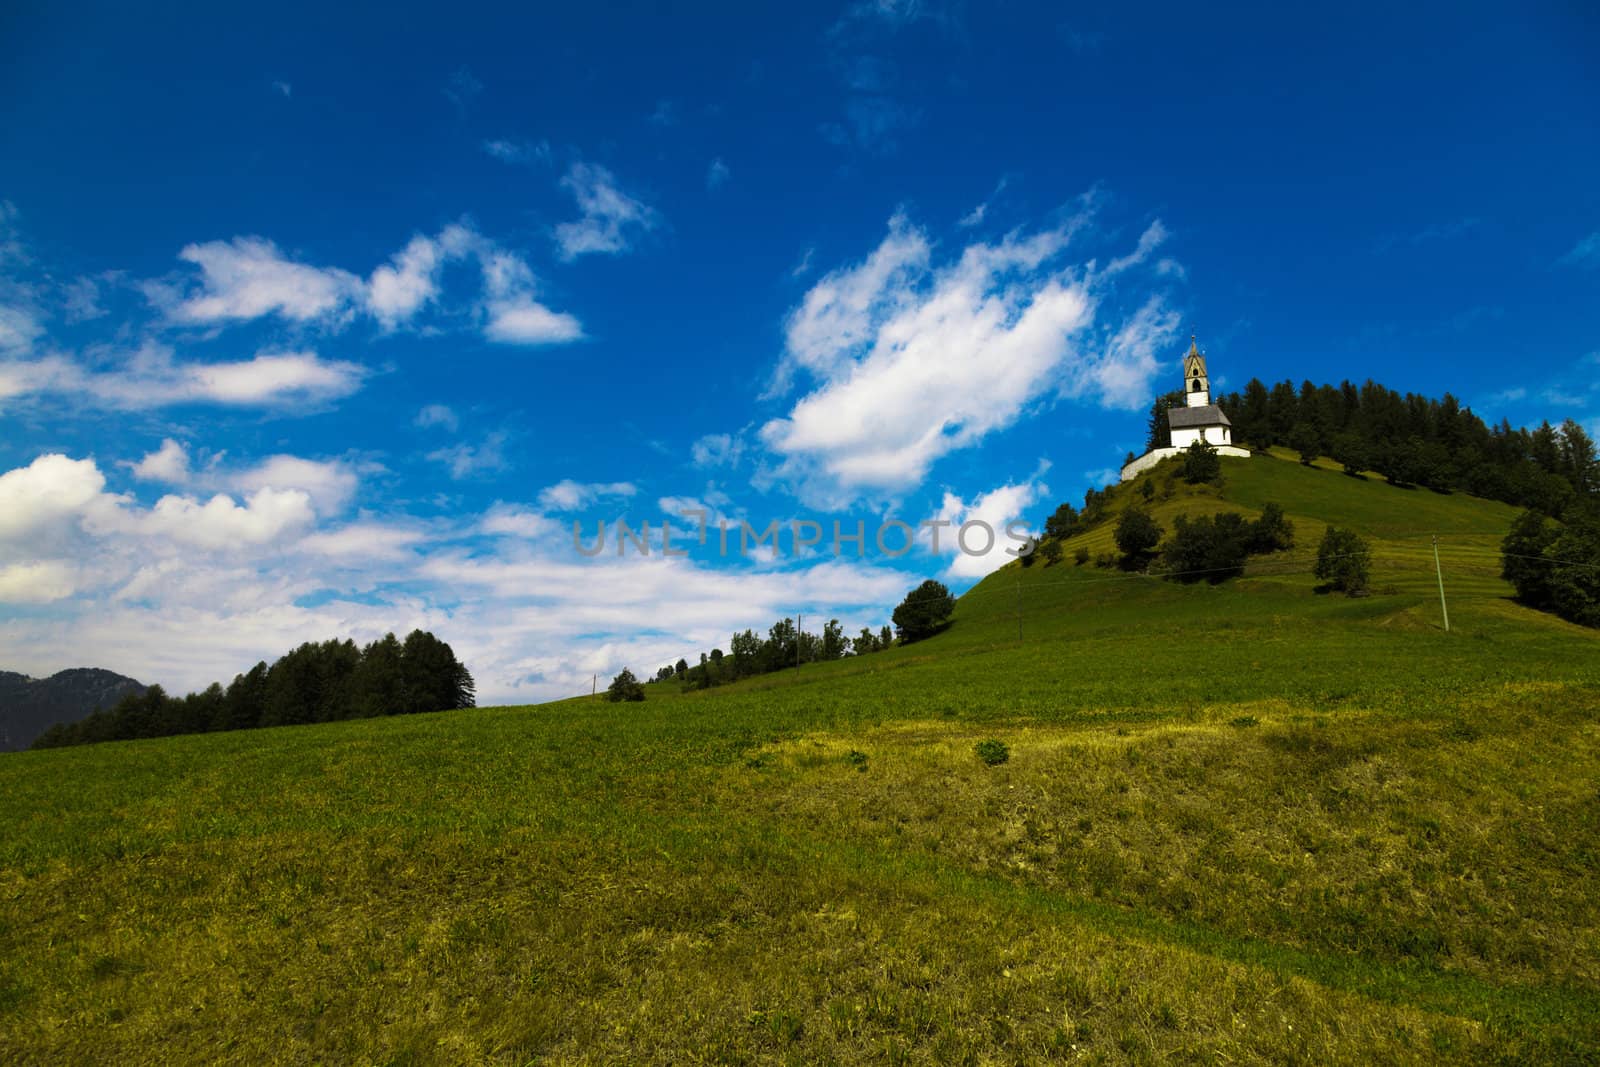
(1196, 383)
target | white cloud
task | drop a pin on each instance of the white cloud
(717, 174)
(36, 583)
(192, 591)
(509, 151)
(512, 520)
(995, 509)
(219, 523)
(717, 450)
(329, 484)
(610, 217)
(19, 329)
(438, 415)
(846, 307)
(465, 461)
(48, 490)
(248, 277)
(514, 316)
(169, 463)
(292, 377)
(910, 361)
(568, 495)
(365, 541)
(1153, 237)
(400, 288)
(1586, 253)
(283, 88)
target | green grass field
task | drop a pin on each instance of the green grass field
(1241, 823)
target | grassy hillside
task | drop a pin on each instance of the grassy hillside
(1245, 822)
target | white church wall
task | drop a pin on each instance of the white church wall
(1151, 458)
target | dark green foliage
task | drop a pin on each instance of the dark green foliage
(1522, 558)
(1575, 572)
(1555, 568)
(924, 611)
(1080, 555)
(323, 682)
(1137, 537)
(1158, 434)
(1305, 440)
(1063, 522)
(1201, 464)
(1211, 548)
(1272, 532)
(1051, 552)
(1415, 441)
(624, 687)
(1344, 561)
(992, 752)
(1029, 554)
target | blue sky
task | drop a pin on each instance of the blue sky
(330, 320)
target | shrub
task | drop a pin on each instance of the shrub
(1137, 536)
(624, 687)
(1062, 523)
(992, 752)
(1051, 551)
(1106, 560)
(924, 611)
(1343, 561)
(1305, 440)
(1272, 532)
(1522, 558)
(1211, 548)
(1200, 464)
(1080, 555)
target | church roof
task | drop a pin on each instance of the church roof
(1189, 418)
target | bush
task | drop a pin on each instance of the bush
(924, 611)
(1575, 582)
(1272, 532)
(1343, 561)
(1200, 464)
(1211, 548)
(1522, 558)
(1080, 555)
(1137, 536)
(1305, 440)
(1106, 560)
(1051, 551)
(1062, 523)
(624, 687)
(992, 752)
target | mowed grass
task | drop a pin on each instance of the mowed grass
(1245, 822)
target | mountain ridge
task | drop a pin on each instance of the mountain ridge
(29, 706)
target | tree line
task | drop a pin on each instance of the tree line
(750, 654)
(925, 611)
(1410, 440)
(317, 682)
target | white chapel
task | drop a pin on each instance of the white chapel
(1198, 420)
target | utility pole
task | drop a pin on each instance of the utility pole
(1443, 608)
(800, 621)
(594, 685)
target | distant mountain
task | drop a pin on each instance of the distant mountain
(30, 706)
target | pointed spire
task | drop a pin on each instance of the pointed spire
(1194, 349)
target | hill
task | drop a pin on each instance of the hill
(30, 706)
(1239, 822)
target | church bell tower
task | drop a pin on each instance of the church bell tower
(1196, 383)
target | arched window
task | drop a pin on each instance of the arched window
(1195, 387)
